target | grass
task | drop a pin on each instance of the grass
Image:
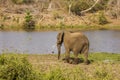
(60, 27)
(103, 66)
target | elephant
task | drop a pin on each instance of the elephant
(76, 42)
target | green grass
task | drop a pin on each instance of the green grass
(103, 66)
(104, 56)
(19, 27)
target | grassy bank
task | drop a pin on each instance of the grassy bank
(59, 27)
(103, 66)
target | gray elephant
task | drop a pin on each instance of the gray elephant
(75, 42)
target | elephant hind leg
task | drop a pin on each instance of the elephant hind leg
(85, 52)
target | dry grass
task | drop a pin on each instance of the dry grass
(103, 66)
(96, 70)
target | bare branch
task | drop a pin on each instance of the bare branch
(90, 7)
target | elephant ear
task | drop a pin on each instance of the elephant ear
(60, 37)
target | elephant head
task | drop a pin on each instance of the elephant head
(59, 42)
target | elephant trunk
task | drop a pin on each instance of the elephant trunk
(59, 50)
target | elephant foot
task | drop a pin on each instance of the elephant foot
(76, 61)
(87, 62)
(70, 61)
(66, 60)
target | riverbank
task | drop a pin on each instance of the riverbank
(64, 27)
(47, 67)
(19, 15)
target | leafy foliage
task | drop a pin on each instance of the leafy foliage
(15, 67)
(29, 23)
(102, 18)
(99, 18)
(78, 6)
(21, 1)
(81, 5)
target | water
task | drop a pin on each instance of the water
(45, 42)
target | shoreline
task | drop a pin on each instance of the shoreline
(55, 28)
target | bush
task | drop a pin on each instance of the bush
(15, 67)
(17, 1)
(56, 15)
(102, 18)
(78, 6)
(29, 23)
(21, 1)
(98, 18)
(81, 5)
(1, 26)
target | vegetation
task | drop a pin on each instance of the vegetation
(15, 67)
(58, 14)
(81, 5)
(21, 1)
(102, 19)
(103, 66)
(29, 23)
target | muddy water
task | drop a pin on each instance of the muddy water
(44, 42)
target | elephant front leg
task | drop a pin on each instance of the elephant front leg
(76, 59)
(67, 56)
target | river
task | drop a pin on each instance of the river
(45, 42)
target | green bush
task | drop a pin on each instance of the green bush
(21, 1)
(29, 23)
(1, 27)
(18, 1)
(16, 67)
(102, 18)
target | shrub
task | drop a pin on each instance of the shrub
(17, 1)
(78, 6)
(29, 23)
(81, 5)
(21, 1)
(15, 67)
(1, 26)
(56, 15)
(98, 18)
(102, 18)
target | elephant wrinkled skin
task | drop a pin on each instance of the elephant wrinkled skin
(76, 42)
